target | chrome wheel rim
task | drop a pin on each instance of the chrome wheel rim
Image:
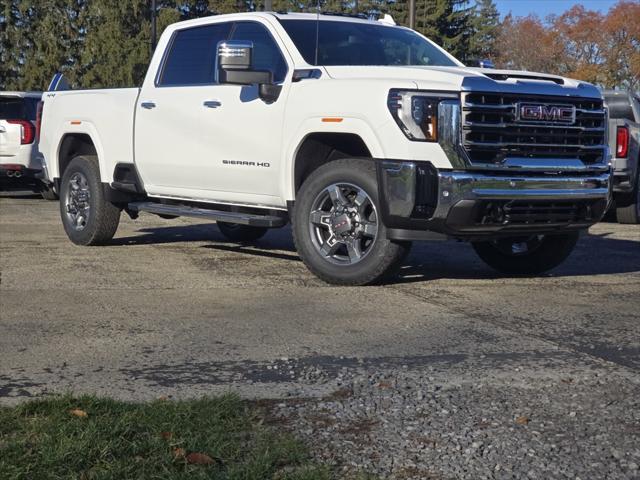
(521, 246)
(77, 198)
(343, 224)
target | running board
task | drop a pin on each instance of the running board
(251, 219)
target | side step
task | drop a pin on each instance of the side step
(251, 219)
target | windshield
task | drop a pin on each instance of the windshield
(351, 43)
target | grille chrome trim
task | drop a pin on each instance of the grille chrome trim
(545, 145)
(492, 135)
(541, 125)
(471, 105)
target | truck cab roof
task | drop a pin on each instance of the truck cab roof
(334, 17)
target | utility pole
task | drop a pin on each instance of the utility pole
(412, 14)
(268, 5)
(153, 26)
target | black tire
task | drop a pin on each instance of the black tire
(380, 257)
(628, 209)
(543, 253)
(102, 219)
(47, 192)
(241, 233)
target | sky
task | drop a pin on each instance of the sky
(522, 8)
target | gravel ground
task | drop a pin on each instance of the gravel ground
(449, 372)
(439, 422)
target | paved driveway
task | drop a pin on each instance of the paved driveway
(171, 309)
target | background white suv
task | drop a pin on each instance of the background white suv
(21, 164)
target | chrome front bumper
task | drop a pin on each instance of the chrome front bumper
(417, 197)
(456, 186)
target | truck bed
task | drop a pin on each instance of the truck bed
(87, 112)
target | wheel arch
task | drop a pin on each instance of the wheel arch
(83, 142)
(316, 148)
(318, 142)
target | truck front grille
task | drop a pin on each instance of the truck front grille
(492, 131)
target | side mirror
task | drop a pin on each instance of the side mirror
(235, 65)
(486, 64)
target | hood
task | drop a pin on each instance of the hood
(428, 78)
(470, 79)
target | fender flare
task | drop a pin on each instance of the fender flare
(89, 129)
(348, 125)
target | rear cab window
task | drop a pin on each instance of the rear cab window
(620, 108)
(18, 108)
(192, 53)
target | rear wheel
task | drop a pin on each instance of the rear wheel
(88, 218)
(337, 228)
(629, 211)
(241, 233)
(527, 255)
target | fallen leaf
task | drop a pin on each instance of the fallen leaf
(179, 452)
(199, 459)
(163, 398)
(522, 420)
(384, 385)
(166, 435)
(78, 413)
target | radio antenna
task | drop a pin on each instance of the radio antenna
(317, 30)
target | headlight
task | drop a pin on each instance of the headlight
(416, 113)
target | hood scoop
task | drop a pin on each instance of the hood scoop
(523, 76)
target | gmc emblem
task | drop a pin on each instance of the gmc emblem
(546, 113)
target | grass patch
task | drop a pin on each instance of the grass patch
(53, 439)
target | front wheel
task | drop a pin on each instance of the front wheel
(337, 227)
(529, 255)
(88, 217)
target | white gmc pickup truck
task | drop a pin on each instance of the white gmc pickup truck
(363, 134)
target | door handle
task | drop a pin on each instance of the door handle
(2, 129)
(212, 103)
(148, 105)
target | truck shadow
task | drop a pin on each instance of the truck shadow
(595, 254)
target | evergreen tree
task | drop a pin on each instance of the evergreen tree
(399, 10)
(15, 23)
(116, 49)
(220, 7)
(446, 22)
(38, 40)
(485, 25)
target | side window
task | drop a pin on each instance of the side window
(192, 55)
(266, 53)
